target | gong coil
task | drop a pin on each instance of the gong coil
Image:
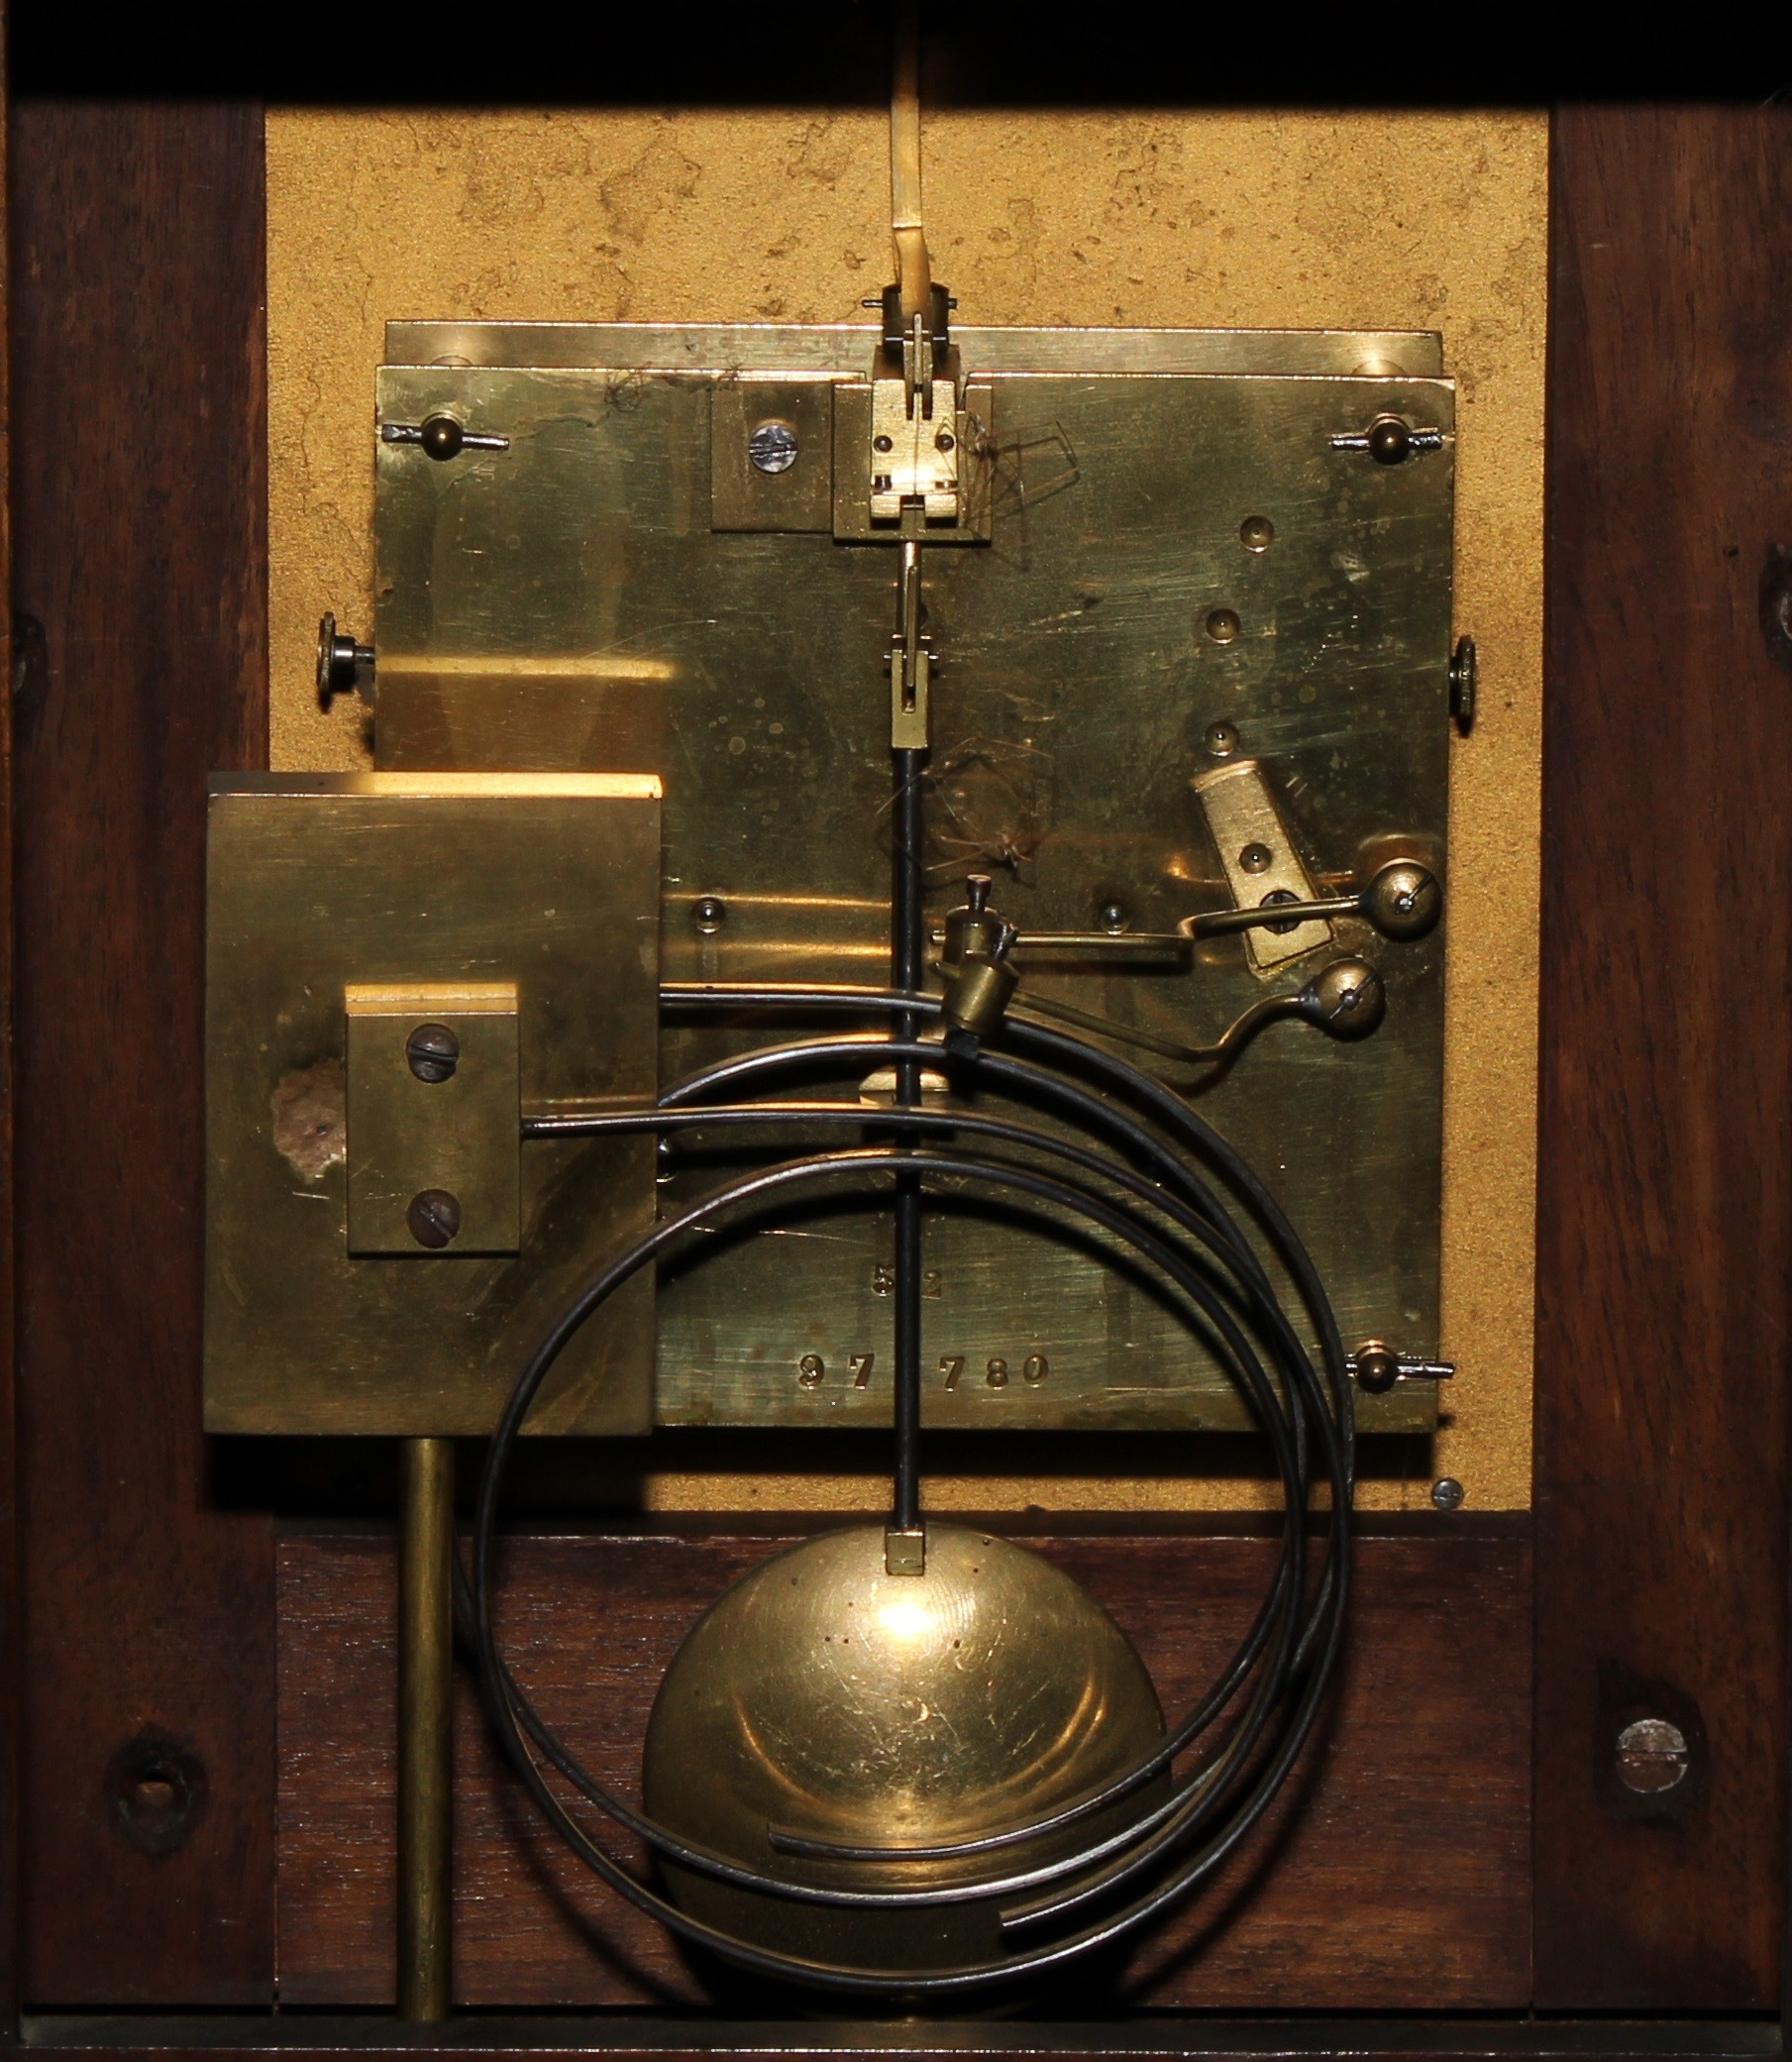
(874, 1859)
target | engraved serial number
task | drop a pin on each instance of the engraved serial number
(882, 1281)
(997, 1372)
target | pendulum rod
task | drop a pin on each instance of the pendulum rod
(908, 941)
(425, 1724)
(909, 664)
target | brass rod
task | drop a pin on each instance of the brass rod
(915, 274)
(425, 1725)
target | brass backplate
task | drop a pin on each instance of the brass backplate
(521, 912)
(426, 1129)
(1174, 544)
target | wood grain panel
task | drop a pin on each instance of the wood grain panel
(1398, 1880)
(323, 2038)
(140, 489)
(1664, 1227)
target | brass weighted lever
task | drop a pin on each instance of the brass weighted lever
(1346, 998)
(425, 1725)
(1402, 900)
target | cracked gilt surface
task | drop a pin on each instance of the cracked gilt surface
(1253, 220)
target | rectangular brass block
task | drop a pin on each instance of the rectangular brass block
(453, 1132)
(853, 520)
(747, 497)
(519, 911)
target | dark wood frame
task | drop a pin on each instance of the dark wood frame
(137, 496)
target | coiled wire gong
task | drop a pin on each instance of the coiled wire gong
(910, 1862)
(1070, 1846)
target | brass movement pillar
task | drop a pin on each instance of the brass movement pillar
(425, 1725)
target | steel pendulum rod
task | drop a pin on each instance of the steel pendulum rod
(425, 1725)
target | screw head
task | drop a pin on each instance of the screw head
(1222, 626)
(1255, 859)
(709, 913)
(1256, 533)
(1447, 1494)
(434, 1218)
(1390, 441)
(326, 659)
(158, 1789)
(340, 661)
(773, 447)
(1346, 998)
(1274, 899)
(1377, 1367)
(433, 1051)
(1404, 900)
(945, 441)
(1465, 681)
(442, 437)
(1221, 740)
(1653, 1756)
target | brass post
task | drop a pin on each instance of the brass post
(914, 272)
(425, 1725)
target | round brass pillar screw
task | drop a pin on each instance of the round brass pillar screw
(425, 1725)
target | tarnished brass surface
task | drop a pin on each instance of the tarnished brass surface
(826, 1698)
(568, 603)
(547, 884)
(459, 1135)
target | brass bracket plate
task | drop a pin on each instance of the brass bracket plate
(577, 607)
(521, 914)
(772, 455)
(449, 1132)
(975, 456)
(1258, 859)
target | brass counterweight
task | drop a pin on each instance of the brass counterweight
(826, 1698)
